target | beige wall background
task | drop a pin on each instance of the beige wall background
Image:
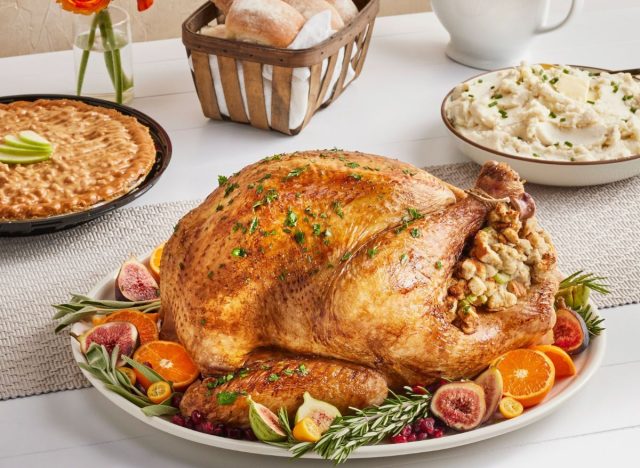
(31, 26)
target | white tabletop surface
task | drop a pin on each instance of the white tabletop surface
(393, 110)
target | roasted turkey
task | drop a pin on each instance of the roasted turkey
(360, 259)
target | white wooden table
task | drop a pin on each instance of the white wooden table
(393, 109)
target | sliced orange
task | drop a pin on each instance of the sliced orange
(562, 362)
(154, 260)
(527, 374)
(158, 392)
(510, 407)
(146, 326)
(168, 359)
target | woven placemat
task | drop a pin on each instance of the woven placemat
(596, 229)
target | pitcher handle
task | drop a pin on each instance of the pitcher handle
(576, 6)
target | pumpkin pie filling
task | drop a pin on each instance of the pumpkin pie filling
(99, 154)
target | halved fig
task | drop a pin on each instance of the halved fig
(135, 282)
(264, 423)
(570, 332)
(321, 412)
(460, 405)
(491, 382)
(112, 334)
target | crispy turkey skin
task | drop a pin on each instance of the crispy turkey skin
(343, 255)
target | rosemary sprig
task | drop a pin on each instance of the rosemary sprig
(368, 426)
(575, 290)
(589, 280)
(81, 307)
(592, 321)
(103, 366)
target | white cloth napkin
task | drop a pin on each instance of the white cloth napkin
(315, 30)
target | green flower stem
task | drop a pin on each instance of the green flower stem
(111, 53)
(85, 55)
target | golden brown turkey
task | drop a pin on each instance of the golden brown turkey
(363, 259)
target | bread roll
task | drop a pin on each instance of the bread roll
(347, 9)
(219, 30)
(223, 5)
(309, 8)
(267, 22)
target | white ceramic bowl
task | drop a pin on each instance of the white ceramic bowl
(539, 171)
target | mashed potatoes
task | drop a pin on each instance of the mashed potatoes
(550, 112)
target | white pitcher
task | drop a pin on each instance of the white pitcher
(489, 34)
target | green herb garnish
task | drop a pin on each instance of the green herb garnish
(239, 252)
(226, 398)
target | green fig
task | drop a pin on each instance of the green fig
(321, 412)
(265, 423)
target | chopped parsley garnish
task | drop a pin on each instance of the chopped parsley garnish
(299, 237)
(264, 177)
(346, 256)
(337, 208)
(415, 214)
(355, 176)
(493, 103)
(503, 113)
(415, 233)
(222, 180)
(408, 172)
(372, 252)
(553, 80)
(569, 144)
(210, 274)
(296, 172)
(219, 207)
(226, 398)
(439, 264)
(259, 189)
(253, 225)
(302, 370)
(239, 226)
(552, 115)
(220, 381)
(403, 258)
(288, 372)
(273, 377)
(292, 219)
(239, 252)
(270, 196)
(352, 165)
(317, 229)
(203, 322)
(265, 367)
(275, 157)
(230, 188)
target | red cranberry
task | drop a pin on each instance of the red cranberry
(421, 436)
(437, 433)
(219, 430)
(419, 389)
(235, 433)
(197, 417)
(189, 424)
(406, 431)
(411, 438)
(398, 439)
(178, 420)
(249, 435)
(176, 400)
(436, 385)
(207, 427)
(427, 425)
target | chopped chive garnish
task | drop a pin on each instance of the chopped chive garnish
(494, 103)
(552, 115)
(553, 80)
(569, 144)
(590, 102)
(503, 113)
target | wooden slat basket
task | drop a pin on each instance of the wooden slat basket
(238, 61)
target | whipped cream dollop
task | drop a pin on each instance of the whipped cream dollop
(553, 112)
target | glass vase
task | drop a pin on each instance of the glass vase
(102, 55)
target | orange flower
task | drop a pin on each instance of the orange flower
(85, 7)
(144, 4)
